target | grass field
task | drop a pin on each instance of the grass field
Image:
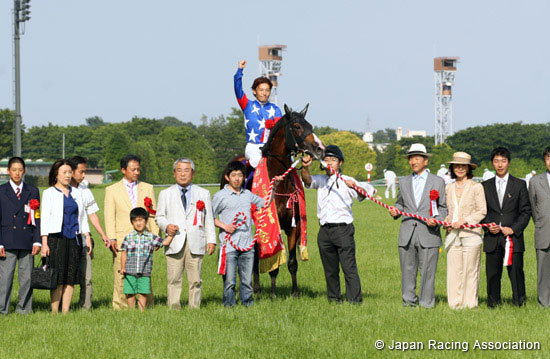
(286, 327)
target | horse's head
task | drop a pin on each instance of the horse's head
(299, 136)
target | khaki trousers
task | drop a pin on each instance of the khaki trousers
(175, 264)
(463, 267)
(86, 291)
(119, 298)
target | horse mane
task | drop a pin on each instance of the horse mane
(272, 133)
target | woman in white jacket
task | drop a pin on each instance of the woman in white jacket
(63, 227)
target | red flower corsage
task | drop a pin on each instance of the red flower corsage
(34, 204)
(200, 205)
(149, 205)
(199, 217)
(434, 196)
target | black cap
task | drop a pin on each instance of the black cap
(334, 151)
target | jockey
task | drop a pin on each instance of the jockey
(260, 115)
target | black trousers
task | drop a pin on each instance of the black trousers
(493, 269)
(337, 247)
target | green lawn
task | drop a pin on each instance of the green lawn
(286, 327)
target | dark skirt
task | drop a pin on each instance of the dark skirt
(65, 255)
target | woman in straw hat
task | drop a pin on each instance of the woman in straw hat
(466, 205)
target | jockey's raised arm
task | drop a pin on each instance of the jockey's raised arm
(260, 115)
(239, 93)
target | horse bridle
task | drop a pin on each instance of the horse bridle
(292, 142)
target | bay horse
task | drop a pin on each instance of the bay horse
(291, 135)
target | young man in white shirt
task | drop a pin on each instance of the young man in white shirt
(335, 237)
(391, 179)
(91, 208)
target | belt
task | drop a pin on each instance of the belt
(330, 225)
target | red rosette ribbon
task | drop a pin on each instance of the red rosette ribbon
(434, 196)
(34, 204)
(199, 217)
(148, 202)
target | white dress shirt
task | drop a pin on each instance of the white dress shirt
(334, 199)
(187, 195)
(15, 187)
(419, 182)
(499, 179)
(548, 177)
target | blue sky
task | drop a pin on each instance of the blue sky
(348, 59)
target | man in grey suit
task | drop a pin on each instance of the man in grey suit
(419, 241)
(539, 196)
(185, 211)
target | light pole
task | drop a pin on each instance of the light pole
(21, 13)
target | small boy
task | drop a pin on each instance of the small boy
(137, 258)
(232, 199)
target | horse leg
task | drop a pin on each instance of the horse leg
(256, 268)
(273, 274)
(292, 260)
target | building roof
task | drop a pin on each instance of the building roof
(273, 46)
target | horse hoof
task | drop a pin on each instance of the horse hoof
(295, 294)
(273, 296)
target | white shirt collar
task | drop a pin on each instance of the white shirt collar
(505, 178)
(187, 188)
(14, 186)
(423, 175)
(126, 183)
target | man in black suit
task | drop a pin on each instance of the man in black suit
(509, 209)
(19, 241)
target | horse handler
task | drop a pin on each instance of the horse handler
(335, 237)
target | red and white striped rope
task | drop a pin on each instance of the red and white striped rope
(421, 218)
(509, 248)
(237, 222)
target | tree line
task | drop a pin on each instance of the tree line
(213, 143)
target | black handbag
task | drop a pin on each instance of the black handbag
(44, 276)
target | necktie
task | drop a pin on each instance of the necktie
(417, 191)
(500, 191)
(131, 193)
(184, 199)
(18, 193)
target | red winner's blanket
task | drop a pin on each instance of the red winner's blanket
(272, 247)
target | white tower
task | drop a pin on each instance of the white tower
(445, 68)
(271, 57)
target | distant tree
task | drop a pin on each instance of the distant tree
(226, 136)
(426, 141)
(6, 132)
(117, 146)
(186, 142)
(384, 136)
(170, 121)
(95, 121)
(524, 141)
(324, 130)
(440, 155)
(356, 154)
